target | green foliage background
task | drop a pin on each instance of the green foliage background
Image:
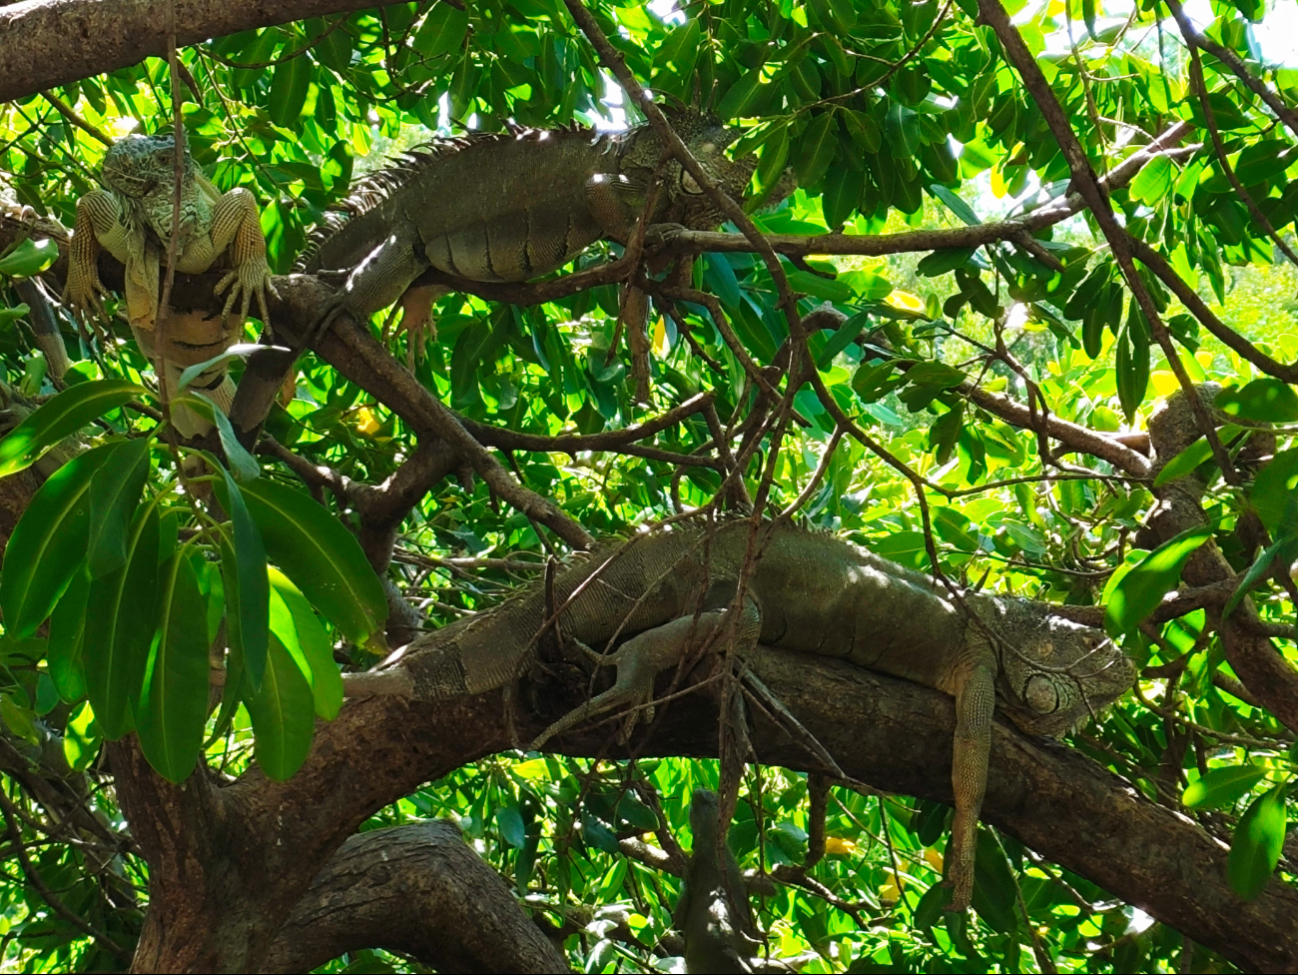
(895, 116)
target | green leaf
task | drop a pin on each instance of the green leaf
(1141, 590)
(940, 262)
(510, 823)
(742, 94)
(1261, 567)
(1153, 181)
(61, 416)
(67, 626)
(1255, 849)
(122, 612)
(239, 351)
(297, 627)
(1222, 786)
(322, 558)
(114, 493)
(242, 464)
(283, 715)
(247, 589)
(29, 257)
(173, 703)
(816, 149)
(442, 31)
(81, 738)
(1274, 487)
(864, 130)
(813, 284)
(1183, 463)
(956, 205)
(48, 545)
(18, 716)
(288, 89)
(1266, 400)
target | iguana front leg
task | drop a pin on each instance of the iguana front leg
(975, 701)
(99, 224)
(640, 660)
(236, 225)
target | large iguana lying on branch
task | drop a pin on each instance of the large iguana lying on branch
(671, 589)
(511, 206)
(132, 219)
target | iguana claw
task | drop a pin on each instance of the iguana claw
(245, 282)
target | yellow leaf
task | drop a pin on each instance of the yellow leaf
(933, 859)
(1204, 358)
(890, 890)
(999, 189)
(366, 422)
(837, 846)
(904, 301)
(1164, 382)
(659, 337)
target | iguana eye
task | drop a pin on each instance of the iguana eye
(1040, 694)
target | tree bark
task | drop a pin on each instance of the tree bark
(416, 889)
(230, 870)
(53, 42)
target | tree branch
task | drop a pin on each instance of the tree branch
(418, 889)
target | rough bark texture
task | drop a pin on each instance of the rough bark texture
(53, 42)
(255, 846)
(417, 889)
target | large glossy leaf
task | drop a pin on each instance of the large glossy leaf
(1222, 786)
(81, 738)
(297, 627)
(1274, 489)
(114, 493)
(322, 558)
(247, 592)
(48, 545)
(1267, 400)
(283, 715)
(29, 257)
(67, 626)
(1140, 591)
(173, 702)
(1255, 849)
(60, 417)
(122, 611)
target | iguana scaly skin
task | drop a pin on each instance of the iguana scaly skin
(510, 206)
(674, 588)
(132, 220)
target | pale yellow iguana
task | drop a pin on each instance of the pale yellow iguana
(132, 219)
(810, 593)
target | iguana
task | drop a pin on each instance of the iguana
(807, 592)
(511, 206)
(719, 934)
(132, 220)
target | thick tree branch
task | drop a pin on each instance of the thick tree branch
(418, 889)
(48, 43)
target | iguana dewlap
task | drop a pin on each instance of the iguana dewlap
(510, 206)
(672, 588)
(132, 219)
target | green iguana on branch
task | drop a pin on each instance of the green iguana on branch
(674, 588)
(132, 220)
(511, 206)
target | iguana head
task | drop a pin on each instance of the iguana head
(138, 165)
(707, 139)
(141, 171)
(1054, 673)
